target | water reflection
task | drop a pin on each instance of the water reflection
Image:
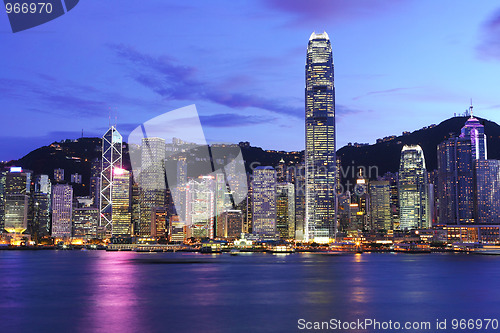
(112, 302)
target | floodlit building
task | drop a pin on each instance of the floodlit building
(320, 153)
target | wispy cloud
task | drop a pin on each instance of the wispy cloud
(489, 47)
(314, 11)
(382, 92)
(46, 94)
(173, 80)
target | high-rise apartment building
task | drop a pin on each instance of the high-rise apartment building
(320, 153)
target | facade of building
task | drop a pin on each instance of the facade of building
(200, 206)
(320, 153)
(62, 209)
(380, 205)
(151, 181)
(264, 202)
(456, 158)
(413, 189)
(121, 215)
(111, 159)
(285, 209)
(487, 191)
(17, 200)
(42, 206)
(85, 222)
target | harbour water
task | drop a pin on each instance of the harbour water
(99, 291)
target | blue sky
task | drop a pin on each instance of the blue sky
(399, 65)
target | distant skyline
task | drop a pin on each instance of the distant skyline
(399, 66)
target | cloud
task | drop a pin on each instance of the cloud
(233, 120)
(379, 92)
(172, 80)
(342, 110)
(489, 47)
(306, 13)
(49, 95)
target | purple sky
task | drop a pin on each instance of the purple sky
(399, 65)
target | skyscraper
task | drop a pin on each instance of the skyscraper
(380, 204)
(487, 191)
(413, 189)
(152, 181)
(200, 206)
(320, 158)
(41, 206)
(285, 209)
(111, 159)
(264, 202)
(62, 208)
(121, 210)
(456, 158)
(17, 188)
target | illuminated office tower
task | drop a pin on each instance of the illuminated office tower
(456, 158)
(152, 181)
(17, 189)
(473, 131)
(300, 201)
(380, 205)
(285, 210)
(95, 181)
(264, 202)
(120, 197)
(344, 211)
(179, 191)
(111, 159)
(177, 233)
(221, 203)
(247, 227)
(392, 178)
(487, 191)
(159, 222)
(233, 223)
(320, 155)
(413, 189)
(41, 206)
(3, 176)
(200, 207)
(62, 207)
(135, 203)
(85, 222)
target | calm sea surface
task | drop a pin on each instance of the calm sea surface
(98, 291)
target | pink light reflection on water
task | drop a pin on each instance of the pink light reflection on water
(113, 303)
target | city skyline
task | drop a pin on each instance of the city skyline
(429, 78)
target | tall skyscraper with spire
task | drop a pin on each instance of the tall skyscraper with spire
(413, 189)
(111, 159)
(320, 156)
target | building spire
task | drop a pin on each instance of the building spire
(471, 112)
